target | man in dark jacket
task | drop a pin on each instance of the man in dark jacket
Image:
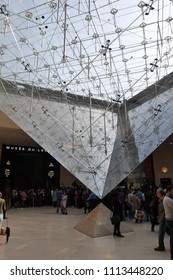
(117, 212)
(161, 220)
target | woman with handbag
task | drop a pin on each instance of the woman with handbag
(117, 214)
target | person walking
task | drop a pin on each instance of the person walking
(2, 209)
(168, 207)
(161, 220)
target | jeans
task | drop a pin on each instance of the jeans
(58, 205)
(170, 226)
(161, 233)
(1, 220)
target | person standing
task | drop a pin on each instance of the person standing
(161, 220)
(154, 211)
(93, 201)
(2, 209)
(64, 202)
(135, 204)
(117, 211)
(168, 207)
(85, 201)
(58, 198)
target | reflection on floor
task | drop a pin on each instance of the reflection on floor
(42, 234)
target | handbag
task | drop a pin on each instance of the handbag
(139, 214)
(3, 231)
(115, 219)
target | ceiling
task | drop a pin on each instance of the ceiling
(104, 49)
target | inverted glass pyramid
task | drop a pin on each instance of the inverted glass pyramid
(71, 73)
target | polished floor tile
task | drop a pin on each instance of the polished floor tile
(42, 234)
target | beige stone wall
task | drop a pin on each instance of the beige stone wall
(163, 157)
(66, 178)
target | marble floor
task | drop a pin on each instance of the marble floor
(42, 234)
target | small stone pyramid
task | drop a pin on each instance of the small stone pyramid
(97, 223)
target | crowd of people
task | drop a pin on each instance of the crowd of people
(79, 197)
(154, 205)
